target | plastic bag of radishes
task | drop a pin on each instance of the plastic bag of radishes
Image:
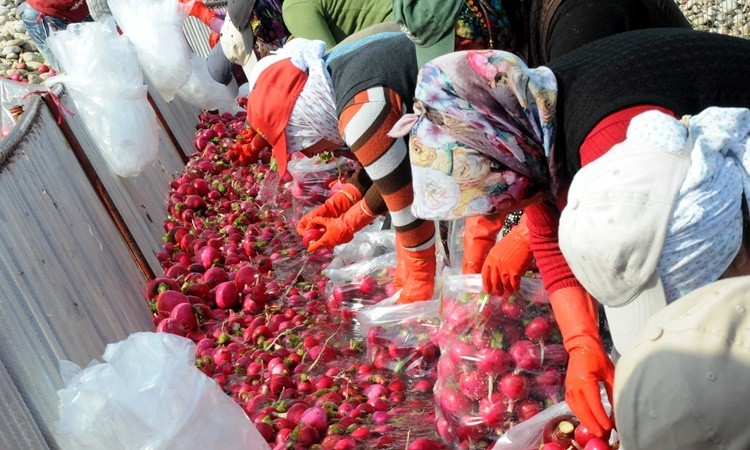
(501, 360)
(401, 338)
(315, 179)
(358, 285)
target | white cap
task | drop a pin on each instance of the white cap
(237, 45)
(683, 384)
(613, 229)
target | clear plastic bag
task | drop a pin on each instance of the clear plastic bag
(148, 394)
(12, 103)
(313, 180)
(501, 360)
(203, 91)
(361, 284)
(155, 29)
(401, 338)
(105, 83)
(364, 245)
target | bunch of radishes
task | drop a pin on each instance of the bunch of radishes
(402, 338)
(501, 360)
(358, 285)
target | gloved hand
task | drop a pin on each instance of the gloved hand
(248, 145)
(419, 269)
(340, 230)
(480, 235)
(336, 205)
(576, 314)
(508, 260)
(215, 24)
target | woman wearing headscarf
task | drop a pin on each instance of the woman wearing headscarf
(296, 104)
(538, 31)
(491, 135)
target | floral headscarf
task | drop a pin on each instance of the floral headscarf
(267, 24)
(481, 135)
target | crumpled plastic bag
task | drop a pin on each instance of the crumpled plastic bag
(155, 29)
(105, 82)
(148, 394)
(204, 92)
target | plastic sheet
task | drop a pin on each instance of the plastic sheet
(12, 103)
(106, 84)
(501, 360)
(155, 28)
(203, 91)
(148, 394)
(314, 179)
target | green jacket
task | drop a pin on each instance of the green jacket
(333, 20)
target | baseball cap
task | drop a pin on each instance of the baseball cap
(682, 384)
(270, 103)
(613, 228)
(430, 24)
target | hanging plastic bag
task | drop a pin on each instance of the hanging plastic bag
(501, 360)
(12, 103)
(358, 285)
(204, 92)
(155, 29)
(148, 394)
(105, 82)
(401, 338)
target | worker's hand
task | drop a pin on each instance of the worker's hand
(340, 230)
(335, 206)
(480, 235)
(576, 315)
(508, 261)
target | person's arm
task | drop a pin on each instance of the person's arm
(305, 19)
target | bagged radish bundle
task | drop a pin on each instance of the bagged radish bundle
(105, 82)
(364, 283)
(501, 360)
(148, 394)
(203, 92)
(315, 180)
(401, 338)
(155, 29)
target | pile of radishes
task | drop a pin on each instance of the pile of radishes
(240, 283)
(315, 179)
(501, 361)
(358, 285)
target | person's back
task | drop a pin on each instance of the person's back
(682, 70)
(333, 20)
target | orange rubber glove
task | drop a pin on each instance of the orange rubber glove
(419, 267)
(336, 205)
(340, 230)
(480, 235)
(576, 314)
(508, 260)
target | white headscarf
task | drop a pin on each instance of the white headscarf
(314, 114)
(705, 232)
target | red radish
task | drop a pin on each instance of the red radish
(345, 444)
(549, 385)
(529, 409)
(493, 361)
(167, 300)
(426, 444)
(515, 387)
(539, 329)
(310, 236)
(596, 444)
(227, 295)
(527, 355)
(315, 417)
(583, 435)
(474, 385)
(184, 316)
(552, 446)
(492, 410)
(43, 68)
(560, 430)
(308, 436)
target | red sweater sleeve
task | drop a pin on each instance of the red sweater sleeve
(543, 219)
